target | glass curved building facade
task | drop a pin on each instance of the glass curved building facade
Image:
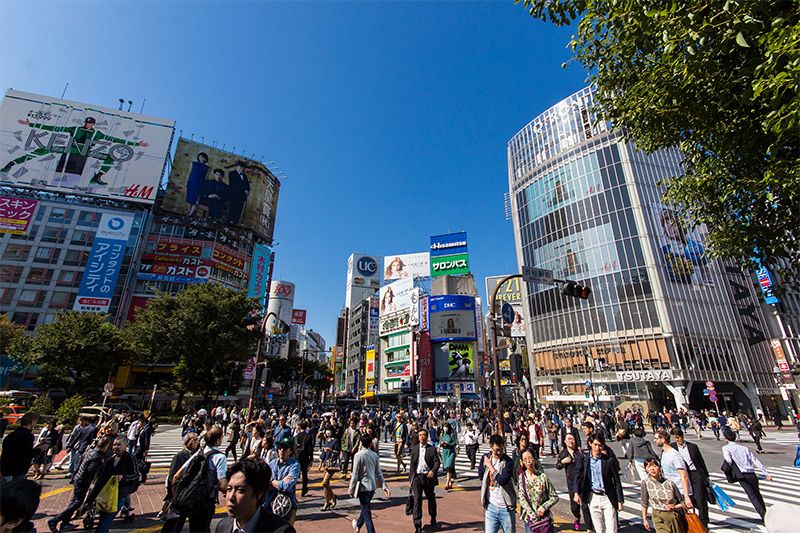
(662, 318)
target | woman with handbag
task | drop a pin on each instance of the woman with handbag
(665, 498)
(329, 458)
(448, 448)
(537, 496)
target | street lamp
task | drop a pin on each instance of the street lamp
(259, 350)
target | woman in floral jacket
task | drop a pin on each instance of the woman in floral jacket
(537, 495)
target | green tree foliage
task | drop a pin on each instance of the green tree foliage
(76, 352)
(42, 406)
(201, 330)
(12, 339)
(70, 408)
(719, 79)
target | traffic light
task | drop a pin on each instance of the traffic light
(574, 290)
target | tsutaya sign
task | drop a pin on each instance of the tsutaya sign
(645, 375)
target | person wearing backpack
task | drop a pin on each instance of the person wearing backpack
(639, 450)
(197, 485)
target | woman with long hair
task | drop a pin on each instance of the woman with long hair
(329, 459)
(447, 444)
(665, 498)
(537, 495)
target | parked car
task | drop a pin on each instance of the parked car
(12, 413)
(96, 411)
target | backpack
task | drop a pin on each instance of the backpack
(198, 485)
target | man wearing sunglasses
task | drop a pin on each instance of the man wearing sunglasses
(281, 499)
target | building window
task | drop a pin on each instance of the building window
(7, 296)
(10, 274)
(28, 320)
(53, 235)
(62, 300)
(76, 257)
(61, 215)
(82, 237)
(39, 276)
(16, 252)
(45, 254)
(88, 218)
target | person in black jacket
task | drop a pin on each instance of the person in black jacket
(246, 489)
(304, 449)
(567, 460)
(123, 466)
(423, 476)
(598, 484)
(238, 191)
(91, 465)
(17, 453)
(190, 443)
(569, 429)
(698, 472)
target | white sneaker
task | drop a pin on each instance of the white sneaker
(356, 529)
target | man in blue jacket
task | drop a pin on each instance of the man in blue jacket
(285, 474)
(498, 494)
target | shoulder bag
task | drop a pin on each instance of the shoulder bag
(534, 523)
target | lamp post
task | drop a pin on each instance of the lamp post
(259, 350)
(495, 362)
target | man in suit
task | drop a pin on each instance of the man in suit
(597, 482)
(423, 468)
(247, 486)
(238, 190)
(366, 477)
(569, 429)
(698, 472)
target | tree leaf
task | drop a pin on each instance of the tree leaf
(741, 41)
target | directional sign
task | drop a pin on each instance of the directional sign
(705, 392)
(537, 275)
(587, 383)
(508, 313)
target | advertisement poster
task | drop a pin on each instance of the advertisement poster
(16, 214)
(174, 269)
(104, 263)
(406, 266)
(222, 187)
(563, 186)
(454, 360)
(369, 375)
(396, 296)
(259, 273)
(682, 250)
(511, 293)
(452, 317)
(449, 254)
(299, 317)
(59, 145)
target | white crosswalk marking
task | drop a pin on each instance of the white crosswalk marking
(742, 517)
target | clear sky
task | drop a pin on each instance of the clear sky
(390, 119)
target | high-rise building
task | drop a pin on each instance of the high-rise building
(663, 319)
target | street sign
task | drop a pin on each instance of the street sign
(108, 387)
(713, 397)
(783, 365)
(508, 313)
(705, 392)
(587, 383)
(106, 394)
(710, 384)
(537, 275)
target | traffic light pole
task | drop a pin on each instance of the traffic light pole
(495, 359)
(260, 348)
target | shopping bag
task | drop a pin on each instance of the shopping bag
(631, 473)
(106, 501)
(797, 456)
(694, 524)
(723, 500)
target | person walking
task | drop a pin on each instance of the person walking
(597, 483)
(400, 438)
(18, 451)
(697, 470)
(124, 467)
(673, 466)
(552, 436)
(350, 444)
(329, 460)
(366, 478)
(285, 475)
(756, 431)
(423, 468)
(738, 457)
(569, 429)
(78, 442)
(233, 439)
(537, 495)
(447, 447)
(639, 450)
(470, 441)
(498, 493)
(566, 461)
(304, 451)
(190, 444)
(664, 497)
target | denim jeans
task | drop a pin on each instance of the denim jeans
(106, 519)
(499, 517)
(365, 518)
(74, 458)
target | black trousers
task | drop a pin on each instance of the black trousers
(346, 461)
(423, 485)
(78, 496)
(199, 521)
(305, 463)
(472, 450)
(699, 495)
(750, 486)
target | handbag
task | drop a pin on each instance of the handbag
(723, 500)
(631, 473)
(731, 471)
(710, 496)
(694, 524)
(281, 505)
(534, 523)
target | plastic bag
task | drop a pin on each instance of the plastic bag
(723, 500)
(106, 501)
(797, 456)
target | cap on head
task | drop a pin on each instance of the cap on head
(90, 119)
(286, 442)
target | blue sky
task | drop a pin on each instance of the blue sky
(390, 119)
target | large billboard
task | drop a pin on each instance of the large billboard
(449, 255)
(259, 273)
(511, 293)
(452, 318)
(104, 264)
(16, 214)
(406, 266)
(363, 278)
(396, 296)
(59, 145)
(222, 187)
(683, 252)
(454, 361)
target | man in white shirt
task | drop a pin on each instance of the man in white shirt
(747, 463)
(673, 466)
(424, 466)
(470, 441)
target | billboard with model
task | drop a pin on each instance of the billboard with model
(222, 187)
(64, 146)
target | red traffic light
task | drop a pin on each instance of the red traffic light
(574, 290)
